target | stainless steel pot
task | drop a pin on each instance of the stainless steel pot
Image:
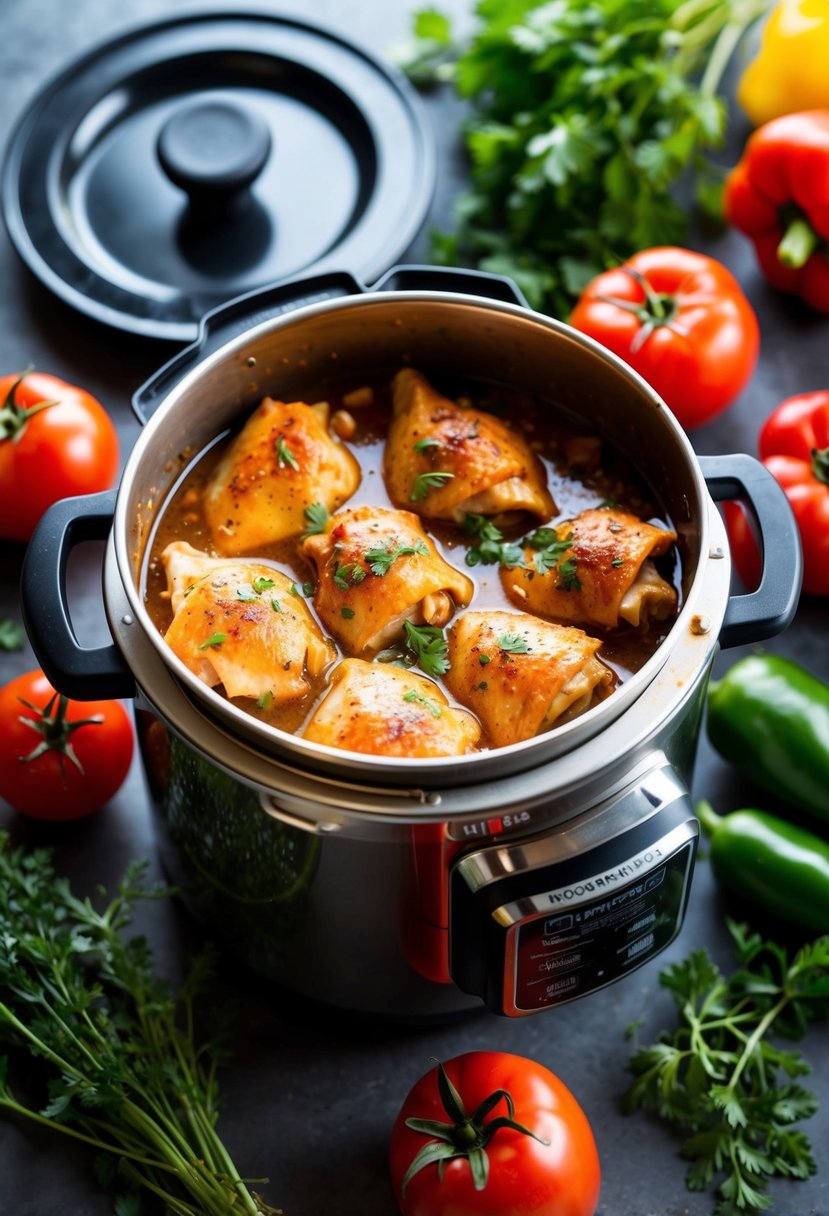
(524, 876)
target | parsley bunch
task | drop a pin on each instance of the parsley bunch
(115, 1051)
(585, 114)
(722, 1079)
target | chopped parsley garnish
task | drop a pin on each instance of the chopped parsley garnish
(569, 579)
(618, 561)
(349, 576)
(483, 686)
(215, 639)
(483, 659)
(293, 589)
(284, 455)
(491, 549)
(423, 444)
(275, 604)
(262, 584)
(550, 548)
(11, 635)
(425, 482)
(348, 613)
(511, 643)
(266, 700)
(246, 593)
(316, 517)
(414, 696)
(379, 560)
(307, 588)
(429, 647)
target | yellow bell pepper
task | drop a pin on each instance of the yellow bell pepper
(791, 70)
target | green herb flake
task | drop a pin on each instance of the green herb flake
(423, 445)
(618, 561)
(550, 548)
(483, 686)
(215, 639)
(491, 549)
(275, 604)
(429, 648)
(511, 643)
(424, 483)
(348, 576)
(284, 455)
(379, 560)
(484, 659)
(316, 517)
(266, 700)
(413, 696)
(570, 580)
(262, 584)
(348, 613)
(11, 635)
(246, 593)
(293, 590)
(308, 589)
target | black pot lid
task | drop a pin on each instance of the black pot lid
(198, 158)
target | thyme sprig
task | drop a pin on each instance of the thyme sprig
(123, 1070)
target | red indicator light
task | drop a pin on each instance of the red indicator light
(494, 826)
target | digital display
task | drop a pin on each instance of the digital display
(594, 933)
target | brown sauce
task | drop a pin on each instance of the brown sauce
(574, 486)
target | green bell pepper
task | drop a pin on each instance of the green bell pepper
(775, 865)
(770, 718)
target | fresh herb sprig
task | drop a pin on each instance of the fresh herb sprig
(11, 635)
(585, 116)
(429, 647)
(720, 1076)
(316, 517)
(550, 549)
(491, 549)
(124, 1073)
(424, 483)
(380, 560)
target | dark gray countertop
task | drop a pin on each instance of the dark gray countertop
(311, 1096)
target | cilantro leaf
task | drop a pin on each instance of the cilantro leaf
(425, 482)
(380, 560)
(429, 647)
(512, 643)
(316, 517)
(413, 696)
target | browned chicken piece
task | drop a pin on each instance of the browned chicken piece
(383, 710)
(445, 460)
(604, 576)
(283, 460)
(521, 675)
(376, 570)
(238, 623)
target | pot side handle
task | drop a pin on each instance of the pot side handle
(768, 610)
(84, 674)
(234, 317)
(449, 278)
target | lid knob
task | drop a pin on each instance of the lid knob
(213, 150)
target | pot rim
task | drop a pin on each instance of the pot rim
(451, 770)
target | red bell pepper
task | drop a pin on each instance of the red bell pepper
(794, 447)
(778, 194)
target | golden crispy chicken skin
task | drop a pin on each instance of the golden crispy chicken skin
(237, 623)
(382, 710)
(377, 569)
(604, 576)
(444, 460)
(283, 460)
(521, 675)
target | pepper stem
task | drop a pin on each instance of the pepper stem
(708, 817)
(798, 244)
(820, 464)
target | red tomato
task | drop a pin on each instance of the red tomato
(55, 442)
(794, 447)
(508, 1123)
(681, 320)
(60, 759)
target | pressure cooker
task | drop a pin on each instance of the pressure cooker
(521, 877)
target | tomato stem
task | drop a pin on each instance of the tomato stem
(55, 731)
(658, 308)
(13, 417)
